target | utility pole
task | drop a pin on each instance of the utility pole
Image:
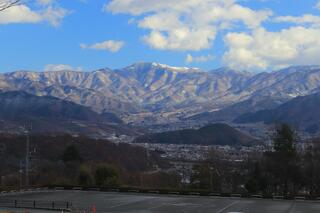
(211, 177)
(148, 154)
(27, 158)
(20, 174)
(28, 129)
(184, 167)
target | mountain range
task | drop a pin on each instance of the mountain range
(152, 93)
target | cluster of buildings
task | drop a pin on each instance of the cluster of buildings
(195, 153)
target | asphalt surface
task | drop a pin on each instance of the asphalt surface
(119, 202)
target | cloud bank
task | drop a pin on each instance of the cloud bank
(189, 24)
(193, 25)
(108, 45)
(60, 67)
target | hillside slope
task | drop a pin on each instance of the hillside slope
(18, 105)
(52, 115)
(302, 112)
(215, 134)
(231, 112)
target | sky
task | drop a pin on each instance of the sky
(252, 35)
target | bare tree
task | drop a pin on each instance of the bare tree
(6, 4)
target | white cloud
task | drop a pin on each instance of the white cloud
(262, 49)
(54, 15)
(187, 24)
(19, 14)
(60, 67)
(307, 19)
(47, 12)
(109, 45)
(198, 59)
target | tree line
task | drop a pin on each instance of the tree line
(79, 161)
(285, 170)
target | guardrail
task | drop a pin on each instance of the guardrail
(184, 192)
(36, 204)
(67, 206)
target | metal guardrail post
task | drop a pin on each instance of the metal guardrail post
(34, 204)
(52, 204)
(15, 203)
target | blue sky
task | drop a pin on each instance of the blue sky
(91, 34)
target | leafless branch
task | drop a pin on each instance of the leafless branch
(6, 4)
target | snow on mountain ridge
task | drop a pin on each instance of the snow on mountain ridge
(181, 69)
(155, 89)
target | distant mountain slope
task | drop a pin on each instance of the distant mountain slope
(215, 134)
(52, 115)
(19, 105)
(302, 112)
(231, 112)
(161, 93)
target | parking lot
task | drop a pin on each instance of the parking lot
(144, 203)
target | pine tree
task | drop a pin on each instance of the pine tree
(284, 157)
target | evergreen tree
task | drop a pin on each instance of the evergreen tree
(283, 161)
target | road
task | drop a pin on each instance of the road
(146, 203)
